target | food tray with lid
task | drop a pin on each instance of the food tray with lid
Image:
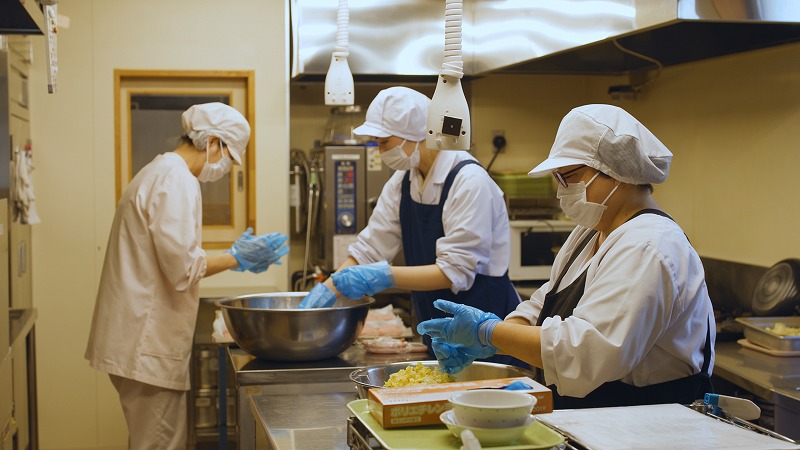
(755, 330)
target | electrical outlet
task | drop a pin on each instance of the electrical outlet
(498, 140)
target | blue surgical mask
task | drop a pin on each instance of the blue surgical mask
(213, 172)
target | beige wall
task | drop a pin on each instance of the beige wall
(731, 123)
(73, 135)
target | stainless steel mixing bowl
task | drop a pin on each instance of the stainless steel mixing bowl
(376, 376)
(269, 326)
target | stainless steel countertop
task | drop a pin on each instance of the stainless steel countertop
(772, 378)
(304, 421)
(300, 404)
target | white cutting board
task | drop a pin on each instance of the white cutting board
(660, 427)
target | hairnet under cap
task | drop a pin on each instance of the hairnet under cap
(397, 111)
(610, 140)
(217, 119)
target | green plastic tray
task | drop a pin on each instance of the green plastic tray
(537, 436)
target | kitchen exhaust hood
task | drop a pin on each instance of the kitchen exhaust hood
(405, 38)
(20, 17)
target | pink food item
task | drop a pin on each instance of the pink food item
(384, 322)
(383, 329)
(389, 345)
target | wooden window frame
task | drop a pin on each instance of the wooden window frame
(247, 76)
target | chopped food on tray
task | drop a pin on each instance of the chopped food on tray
(784, 330)
(418, 374)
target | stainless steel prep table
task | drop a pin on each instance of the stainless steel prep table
(302, 421)
(299, 391)
(773, 378)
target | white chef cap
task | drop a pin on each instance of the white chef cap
(397, 111)
(217, 119)
(610, 140)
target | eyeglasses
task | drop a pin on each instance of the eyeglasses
(562, 177)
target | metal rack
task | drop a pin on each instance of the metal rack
(211, 397)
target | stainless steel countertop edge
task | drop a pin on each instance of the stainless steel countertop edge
(725, 366)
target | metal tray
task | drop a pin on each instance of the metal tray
(755, 330)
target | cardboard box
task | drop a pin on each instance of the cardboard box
(422, 404)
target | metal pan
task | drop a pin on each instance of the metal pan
(376, 376)
(778, 290)
(755, 330)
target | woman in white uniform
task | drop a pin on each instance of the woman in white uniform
(148, 297)
(625, 318)
(441, 208)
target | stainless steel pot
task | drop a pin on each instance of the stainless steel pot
(370, 377)
(269, 326)
(778, 291)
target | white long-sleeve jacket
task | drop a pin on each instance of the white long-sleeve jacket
(148, 297)
(643, 316)
(475, 221)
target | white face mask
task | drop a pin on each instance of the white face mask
(576, 207)
(213, 172)
(397, 159)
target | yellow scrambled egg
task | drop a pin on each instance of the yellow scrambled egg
(784, 330)
(418, 374)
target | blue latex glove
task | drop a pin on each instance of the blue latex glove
(518, 386)
(275, 239)
(319, 297)
(357, 281)
(257, 253)
(464, 328)
(452, 358)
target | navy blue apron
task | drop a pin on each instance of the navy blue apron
(421, 227)
(616, 393)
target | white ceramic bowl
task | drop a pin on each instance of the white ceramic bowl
(491, 408)
(487, 436)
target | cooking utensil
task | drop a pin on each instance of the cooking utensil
(778, 290)
(269, 326)
(376, 376)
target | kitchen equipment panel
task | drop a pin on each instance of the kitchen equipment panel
(353, 180)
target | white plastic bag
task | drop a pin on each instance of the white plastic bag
(220, 333)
